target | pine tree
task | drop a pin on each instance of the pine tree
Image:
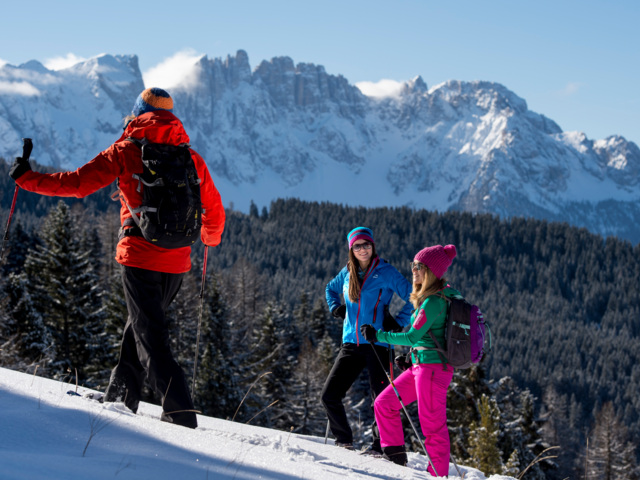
(306, 387)
(65, 285)
(26, 340)
(610, 455)
(520, 428)
(217, 393)
(18, 246)
(483, 438)
(245, 289)
(283, 366)
(512, 467)
(302, 316)
(466, 388)
(258, 374)
(559, 429)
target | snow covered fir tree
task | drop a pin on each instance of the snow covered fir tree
(546, 403)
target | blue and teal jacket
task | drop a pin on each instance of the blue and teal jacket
(379, 284)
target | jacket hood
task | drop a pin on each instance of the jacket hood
(160, 126)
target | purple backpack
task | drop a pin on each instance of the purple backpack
(465, 334)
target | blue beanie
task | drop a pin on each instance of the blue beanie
(152, 99)
(360, 233)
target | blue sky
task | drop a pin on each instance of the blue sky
(577, 62)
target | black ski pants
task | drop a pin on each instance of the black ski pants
(145, 349)
(349, 363)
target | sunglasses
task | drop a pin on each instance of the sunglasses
(417, 266)
(358, 246)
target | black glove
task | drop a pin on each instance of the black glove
(389, 323)
(369, 333)
(19, 168)
(403, 362)
(340, 312)
(21, 165)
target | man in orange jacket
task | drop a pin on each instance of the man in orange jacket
(151, 275)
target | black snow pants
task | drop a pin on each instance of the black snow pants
(349, 363)
(145, 350)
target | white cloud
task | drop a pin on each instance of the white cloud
(381, 89)
(60, 63)
(18, 88)
(175, 70)
(570, 89)
(3, 63)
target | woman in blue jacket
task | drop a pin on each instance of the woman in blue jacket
(367, 284)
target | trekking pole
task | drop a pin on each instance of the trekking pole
(326, 434)
(195, 361)
(405, 411)
(6, 232)
(27, 146)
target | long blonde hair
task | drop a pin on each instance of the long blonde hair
(353, 265)
(431, 286)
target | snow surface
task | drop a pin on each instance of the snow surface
(44, 432)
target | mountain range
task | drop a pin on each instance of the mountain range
(286, 130)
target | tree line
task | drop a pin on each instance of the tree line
(562, 305)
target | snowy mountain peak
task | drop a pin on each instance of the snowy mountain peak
(34, 65)
(415, 86)
(294, 130)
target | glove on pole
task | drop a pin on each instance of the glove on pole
(27, 146)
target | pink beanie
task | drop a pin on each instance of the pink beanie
(437, 258)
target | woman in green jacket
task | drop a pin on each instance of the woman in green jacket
(428, 379)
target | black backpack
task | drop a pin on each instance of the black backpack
(170, 215)
(467, 335)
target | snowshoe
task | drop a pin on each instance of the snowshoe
(371, 451)
(395, 454)
(348, 446)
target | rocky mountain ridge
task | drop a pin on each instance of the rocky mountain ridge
(293, 130)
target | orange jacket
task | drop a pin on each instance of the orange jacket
(121, 160)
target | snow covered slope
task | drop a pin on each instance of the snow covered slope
(287, 130)
(47, 434)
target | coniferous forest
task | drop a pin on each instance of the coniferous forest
(557, 396)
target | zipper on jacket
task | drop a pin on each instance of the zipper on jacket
(375, 309)
(374, 264)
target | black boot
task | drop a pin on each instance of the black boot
(185, 419)
(117, 391)
(395, 454)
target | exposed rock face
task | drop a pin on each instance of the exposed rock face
(287, 130)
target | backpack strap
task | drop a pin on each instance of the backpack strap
(132, 223)
(439, 349)
(137, 141)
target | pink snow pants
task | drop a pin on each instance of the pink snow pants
(426, 383)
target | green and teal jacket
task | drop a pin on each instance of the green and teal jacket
(431, 315)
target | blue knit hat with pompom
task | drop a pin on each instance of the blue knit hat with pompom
(152, 99)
